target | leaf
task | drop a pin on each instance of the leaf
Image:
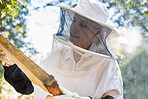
(6, 34)
(1, 2)
(2, 7)
(13, 14)
(145, 14)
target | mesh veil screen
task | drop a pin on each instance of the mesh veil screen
(74, 26)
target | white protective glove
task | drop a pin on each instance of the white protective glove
(4, 58)
(67, 95)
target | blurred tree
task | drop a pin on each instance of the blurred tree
(13, 26)
(134, 73)
(129, 13)
(13, 23)
(11, 7)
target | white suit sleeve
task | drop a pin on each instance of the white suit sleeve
(39, 93)
(114, 86)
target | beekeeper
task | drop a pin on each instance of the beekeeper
(83, 57)
(82, 60)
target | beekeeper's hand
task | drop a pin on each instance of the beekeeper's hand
(5, 59)
(67, 95)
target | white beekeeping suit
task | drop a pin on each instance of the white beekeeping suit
(83, 54)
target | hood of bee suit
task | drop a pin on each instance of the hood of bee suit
(105, 42)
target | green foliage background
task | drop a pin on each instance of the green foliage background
(11, 7)
(131, 13)
(134, 73)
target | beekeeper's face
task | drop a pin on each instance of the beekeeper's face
(82, 32)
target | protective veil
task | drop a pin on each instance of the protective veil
(89, 72)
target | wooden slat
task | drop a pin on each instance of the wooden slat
(36, 74)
